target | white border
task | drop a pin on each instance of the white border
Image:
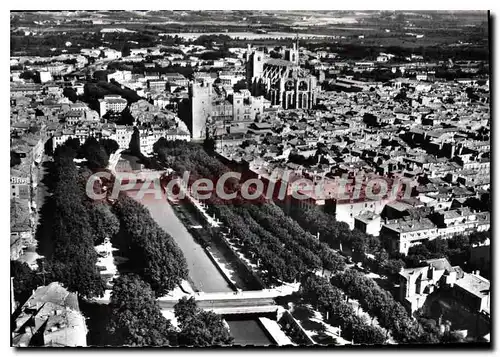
(201, 5)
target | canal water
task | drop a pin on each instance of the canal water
(248, 332)
(202, 272)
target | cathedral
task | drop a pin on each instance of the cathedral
(281, 81)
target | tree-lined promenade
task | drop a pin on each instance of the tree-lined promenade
(283, 251)
(72, 224)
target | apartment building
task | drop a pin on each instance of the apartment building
(112, 103)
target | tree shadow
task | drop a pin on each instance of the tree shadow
(47, 179)
(312, 325)
(322, 338)
(285, 300)
(302, 313)
(43, 234)
(97, 317)
(388, 285)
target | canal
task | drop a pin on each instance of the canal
(203, 274)
(248, 332)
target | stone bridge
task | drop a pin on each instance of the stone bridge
(231, 303)
(240, 302)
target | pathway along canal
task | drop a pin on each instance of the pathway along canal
(202, 272)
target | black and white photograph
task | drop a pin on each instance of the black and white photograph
(313, 179)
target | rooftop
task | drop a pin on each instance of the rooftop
(460, 212)
(403, 226)
(439, 264)
(367, 217)
(54, 293)
(475, 284)
(279, 62)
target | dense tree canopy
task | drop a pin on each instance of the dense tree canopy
(70, 93)
(103, 222)
(198, 327)
(136, 318)
(25, 280)
(380, 303)
(109, 145)
(456, 249)
(241, 84)
(330, 301)
(275, 242)
(152, 252)
(95, 154)
(65, 235)
(15, 159)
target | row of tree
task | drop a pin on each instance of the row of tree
(70, 224)
(96, 152)
(136, 319)
(287, 251)
(456, 249)
(337, 234)
(376, 301)
(278, 244)
(333, 305)
(70, 227)
(274, 241)
(151, 251)
(389, 313)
